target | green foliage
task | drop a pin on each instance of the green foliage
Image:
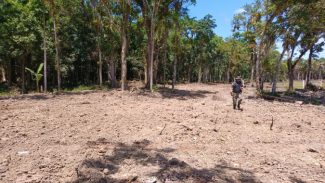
(85, 27)
(37, 76)
(82, 88)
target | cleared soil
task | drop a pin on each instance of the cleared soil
(191, 135)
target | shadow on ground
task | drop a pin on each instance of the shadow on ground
(298, 96)
(167, 93)
(42, 96)
(27, 96)
(183, 94)
(169, 169)
(296, 180)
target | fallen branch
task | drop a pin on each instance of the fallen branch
(162, 129)
(271, 124)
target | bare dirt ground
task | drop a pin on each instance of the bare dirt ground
(192, 135)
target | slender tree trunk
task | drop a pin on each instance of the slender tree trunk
(156, 64)
(228, 72)
(253, 60)
(124, 64)
(189, 75)
(218, 73)
(124, 45)
(174, 72)
(3, 75)
(309, 67)
(199, 77)
(321, 76)
(109, 79)
(9, 73)
(165, 37)
(23, 74)
(277, 69)
(112, 73)
(146, 81)
(88, 72)
(37, 86)
(100, 69)
(45, 57)
(164, 69)
(57, 55)
(257, 71)
(151, 51)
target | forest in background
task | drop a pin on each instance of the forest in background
(64, 44)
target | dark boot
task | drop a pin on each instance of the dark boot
(238, 106)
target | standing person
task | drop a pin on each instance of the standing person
(237, 89)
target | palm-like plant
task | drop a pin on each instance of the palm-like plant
(36, 76)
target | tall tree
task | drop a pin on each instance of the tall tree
(125, 7)
(53, 5)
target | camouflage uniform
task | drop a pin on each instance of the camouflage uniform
(236, 93)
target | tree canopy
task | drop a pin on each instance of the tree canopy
(157, 42)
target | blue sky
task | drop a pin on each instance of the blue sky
(223, 12)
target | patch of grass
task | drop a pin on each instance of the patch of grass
(155, 88)
(84, 87)
(4, 90)
(4, 93)
(298, 84)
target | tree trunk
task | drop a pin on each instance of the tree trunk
(189, 74)
(88, 72)
(253, 60)
(23, 74)
(9, 73)
(111, 73)
(125, 23)
(258, 74)
(199, 77)
(3, 74)
(123, 63)
(57, 55)
(165, 63)
(165, 38)
(45, 58)
(100, 67)
(309, 67)
(206, 74)
(156, 64)
(174, 72)
(291, 78)
(228, 72)
(146, 81)
(37, 87)
(151, 52)
(276, 75)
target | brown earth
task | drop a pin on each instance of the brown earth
(192, 135)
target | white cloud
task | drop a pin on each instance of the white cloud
(240, 10)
